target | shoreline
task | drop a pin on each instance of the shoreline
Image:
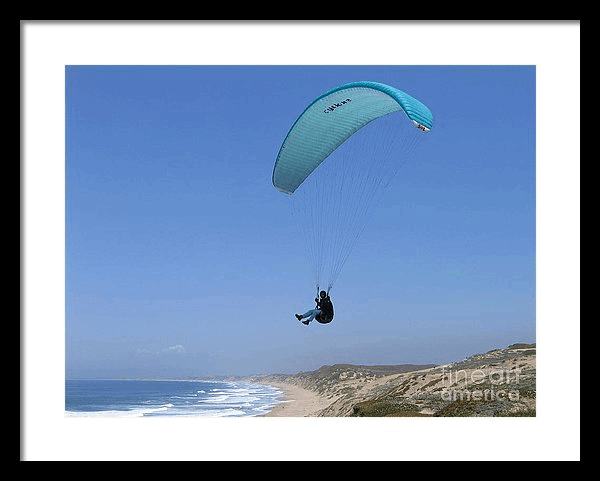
(297, 402)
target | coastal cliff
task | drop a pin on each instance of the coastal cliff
(501, 382)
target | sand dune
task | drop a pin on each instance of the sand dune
(501, 382)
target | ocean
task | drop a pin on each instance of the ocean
(137, 398)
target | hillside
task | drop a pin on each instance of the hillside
(501, 382)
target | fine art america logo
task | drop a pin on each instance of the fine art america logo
(332, 107)
(495, 384)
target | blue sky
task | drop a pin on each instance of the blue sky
(181, 257)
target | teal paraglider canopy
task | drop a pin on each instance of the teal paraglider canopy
(331, 119)
(337, 159)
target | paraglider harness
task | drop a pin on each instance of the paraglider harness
(326, 308)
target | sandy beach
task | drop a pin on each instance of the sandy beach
(298, 402)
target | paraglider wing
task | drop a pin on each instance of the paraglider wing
(331, 119)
